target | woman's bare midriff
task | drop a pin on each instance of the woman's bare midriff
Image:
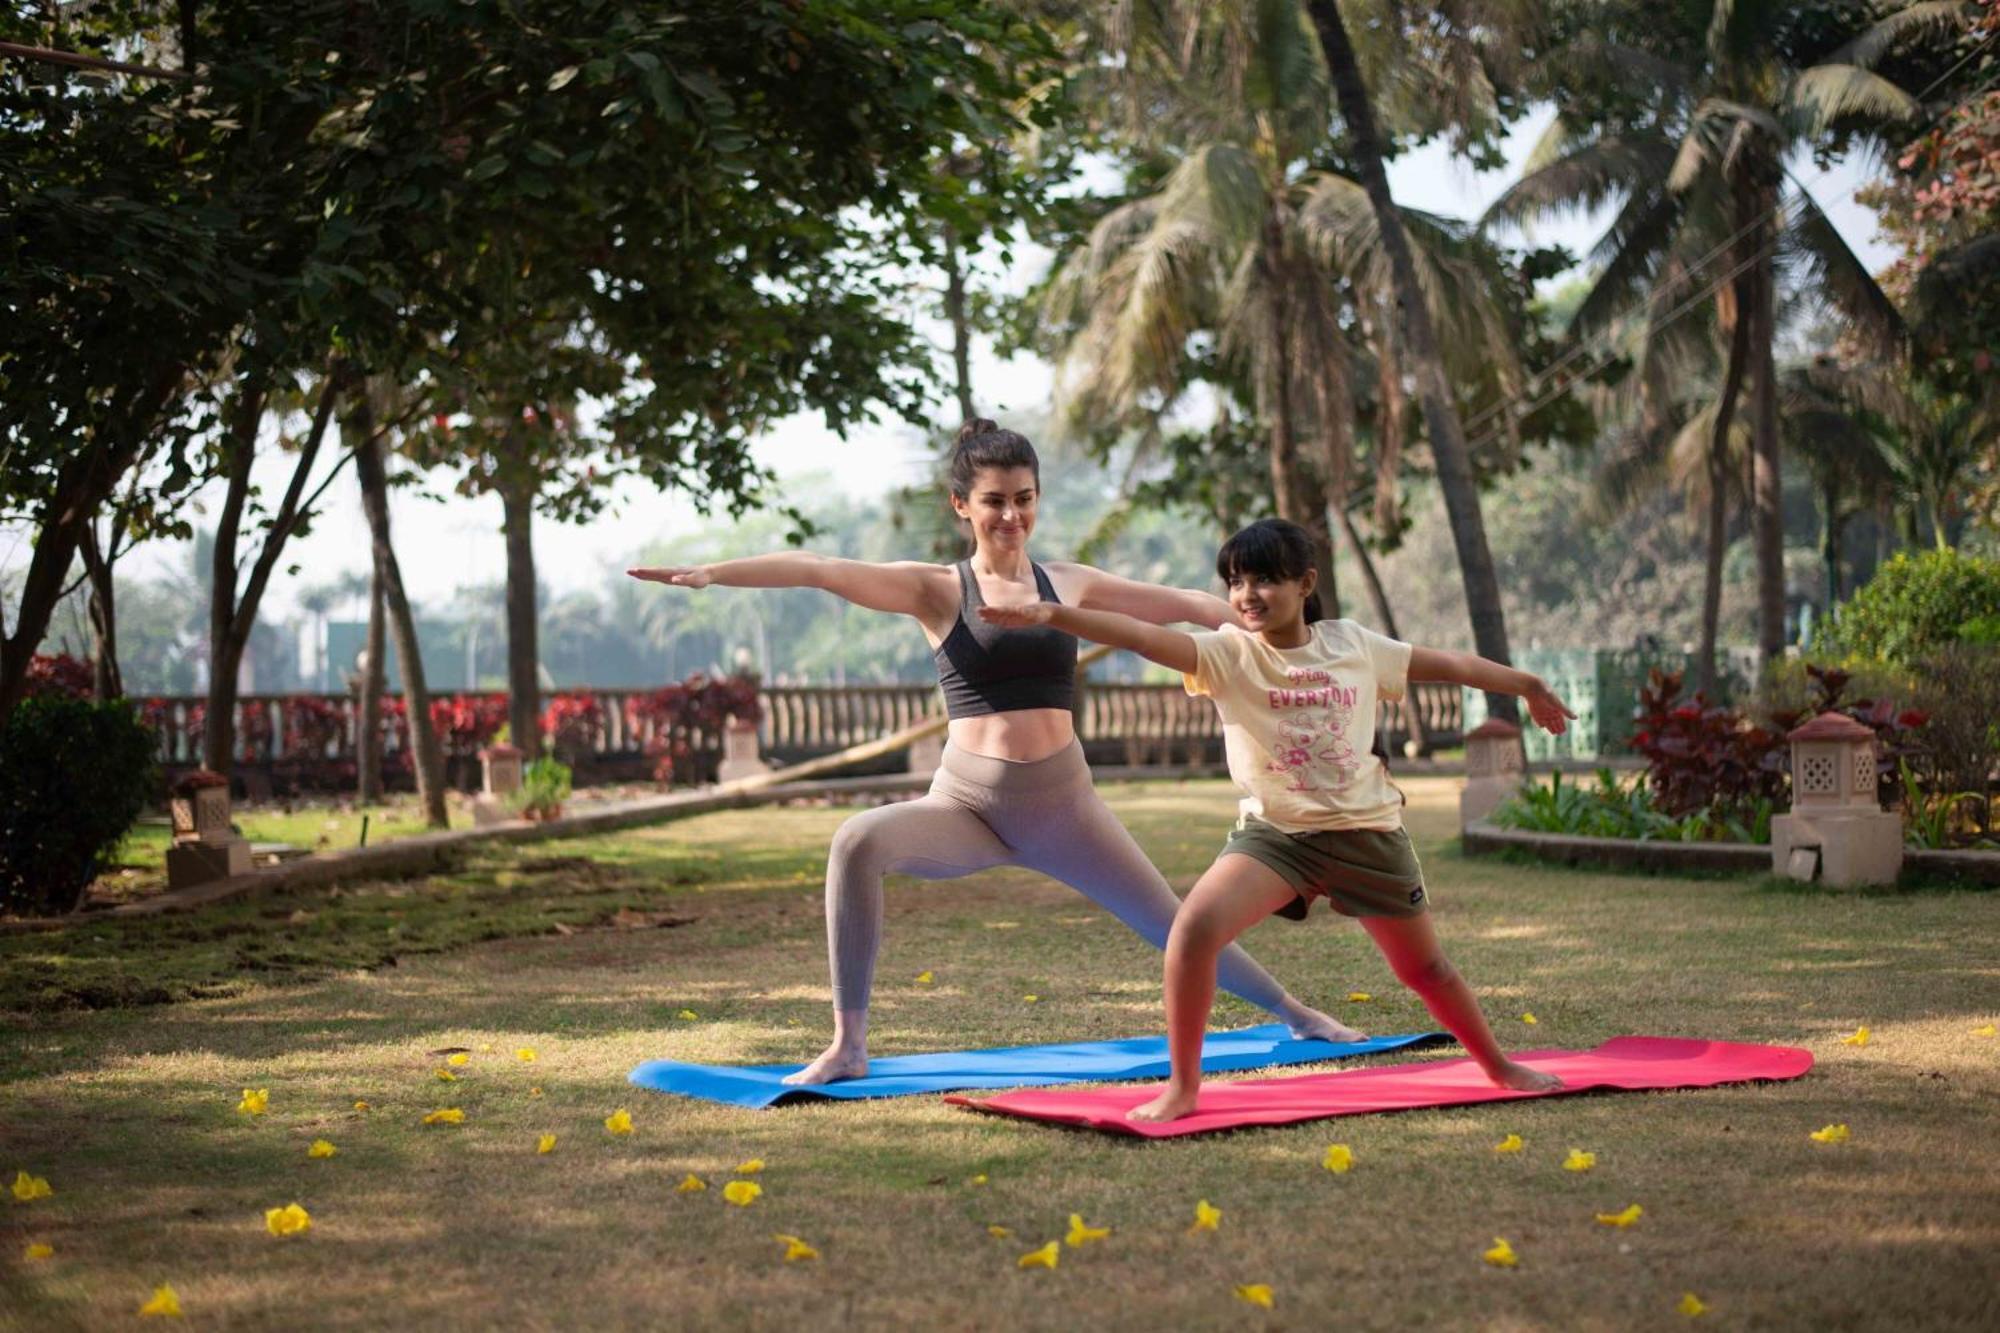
(1022, 736)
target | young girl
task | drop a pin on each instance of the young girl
(1319, 816)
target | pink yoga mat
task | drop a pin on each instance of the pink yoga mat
(1628, 1064)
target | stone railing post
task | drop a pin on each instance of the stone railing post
(1837, 831)
(500, 780)
(1495, 767)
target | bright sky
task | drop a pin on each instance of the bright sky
(457, 543)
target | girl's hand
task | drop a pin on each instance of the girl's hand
(1024, 616)
(681, 576)
(1551, 714)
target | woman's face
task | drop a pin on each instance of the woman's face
(1001, 507)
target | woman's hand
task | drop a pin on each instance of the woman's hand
(1024, 616)
(1551, 714)
(681, 576)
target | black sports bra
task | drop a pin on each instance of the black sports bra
(991, 669)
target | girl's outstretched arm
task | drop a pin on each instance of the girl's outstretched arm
(1548, 710)
(1169, 647)
(905, 587)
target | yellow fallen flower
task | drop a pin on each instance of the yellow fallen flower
(691, 1184)
(28, 1188)
(998, 1232)
(1339, 1159)
(1691, 1305)
(1579, 1160)
(446, 1076)
(534, 1092)
(751, 1167)
(459, 1058)
(37, 1250)
(545, 1144)
(1502, 1254)
(526, 1055)
(1043, 1258)
(689, 1015)
(1359, 996)
(255, 1101)
(1207, 1217)
(979, 1179)
(1031, 999)
(1859, 1037)
(1986, 1030)
(363, 1106)
(1255, 1293)
(164, 1302)
(291, 1220)
(1830, 1134)
(1512, 1143)
(742, 1193)
(1079, 1234)
(794, 1247)
(1530, 1019)
(1623, 1219)
(450, 1115)
(321, 1148)
(619, 1121)
(924, 978)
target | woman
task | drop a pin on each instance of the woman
(1013, 787)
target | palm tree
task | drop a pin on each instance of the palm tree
(1691, 130)
(1246, 250)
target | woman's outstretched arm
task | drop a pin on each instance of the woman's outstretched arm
(1169, 647)
(905, 587)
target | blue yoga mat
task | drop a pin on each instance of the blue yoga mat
(1011, 1066)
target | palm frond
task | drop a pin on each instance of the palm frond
(1631, 251)
(1906, 24)
(1826, 94)
(1814, 245)
(1580, 180)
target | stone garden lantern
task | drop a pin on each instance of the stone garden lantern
(1837, 831)
(500, 781)
(205, 847)
(1495, 767)
(740, 758)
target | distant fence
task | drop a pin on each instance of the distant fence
(306, 742)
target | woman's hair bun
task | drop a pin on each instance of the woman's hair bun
(975, 428)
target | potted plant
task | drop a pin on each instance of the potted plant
(545, 785)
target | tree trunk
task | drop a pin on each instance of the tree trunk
(1766, 480)
(81, 487)
(1830, 542)
(1736, 316)
(961, 327)
(1378, 597)
(374, 671)
(1447, 434)
(524, 697)
(1388, 430)
(1314, 497)
(373, 473)
(107, 681)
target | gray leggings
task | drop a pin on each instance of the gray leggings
(984, 812)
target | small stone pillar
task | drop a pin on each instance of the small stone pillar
(205, 848)
(500, 780)
(1837, 831)
(740, 758)
(926, 754)
(1495, 767)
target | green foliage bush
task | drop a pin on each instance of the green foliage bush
(74, 776)
(1615, 809)
(545, 785)
(1915, 604)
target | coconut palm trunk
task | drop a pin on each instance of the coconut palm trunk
(1452, 457)
(1736, 317)
(1766, 479)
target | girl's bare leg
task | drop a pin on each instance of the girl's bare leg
(1233, 895)
(1411, 947)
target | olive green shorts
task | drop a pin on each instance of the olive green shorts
(1362, 872)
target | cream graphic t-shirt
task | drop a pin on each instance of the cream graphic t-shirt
(1298, 723)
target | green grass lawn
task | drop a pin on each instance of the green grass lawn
(589, 951)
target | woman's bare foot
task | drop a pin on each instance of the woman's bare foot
(1312, 1025)
(835, 1063)
(1169, 1105)
(1523, 1079)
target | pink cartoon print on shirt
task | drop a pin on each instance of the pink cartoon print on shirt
(1312, 752)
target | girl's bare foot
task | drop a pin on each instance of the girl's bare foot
(1169, 1105)
(1312, 1025)
(835, 1063)
(1523, 1079)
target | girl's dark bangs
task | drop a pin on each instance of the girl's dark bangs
(1261, 551)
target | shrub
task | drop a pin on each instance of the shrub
(74, 776)
(1702, 757)
(1612, 809)
(545, 785)
(572, 724)
(1915, 604)
(679, 725)
(62, 676)
(1958, 688)
(466, 723)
